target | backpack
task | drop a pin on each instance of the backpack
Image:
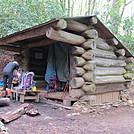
(26, 82)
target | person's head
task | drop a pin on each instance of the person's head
(15, 62)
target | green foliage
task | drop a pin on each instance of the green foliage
(16, 15)
(121, 27)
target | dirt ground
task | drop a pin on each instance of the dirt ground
(56, 120)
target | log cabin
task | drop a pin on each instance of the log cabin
(84, 55)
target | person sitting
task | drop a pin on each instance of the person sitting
(8, 77)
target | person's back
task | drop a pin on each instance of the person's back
(8, 77)
(9, 68)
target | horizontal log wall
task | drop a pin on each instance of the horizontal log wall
(95, 62)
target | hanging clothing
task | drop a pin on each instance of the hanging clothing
(58, 63)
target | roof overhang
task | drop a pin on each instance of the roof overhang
(38, 32)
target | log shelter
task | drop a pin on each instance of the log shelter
(99, 65)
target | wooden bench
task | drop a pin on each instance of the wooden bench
(25, 95)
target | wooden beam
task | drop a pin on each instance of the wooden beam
(109, 62)
(102, 80)
(34, 32)
(109, 88)
(76, 26)
(64, 36)
(93, 20)
(103, 71)
(104, 54)
(41, 43)
(112, 41)
(11, 48)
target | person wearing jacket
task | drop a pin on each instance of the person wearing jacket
(9, 69)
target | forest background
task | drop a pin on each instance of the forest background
(117, 15)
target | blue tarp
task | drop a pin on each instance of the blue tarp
(57, 63)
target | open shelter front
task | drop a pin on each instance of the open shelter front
(80, 52)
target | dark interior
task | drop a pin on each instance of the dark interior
(38, 61)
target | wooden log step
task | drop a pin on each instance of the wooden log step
(109, 71)
(109, 62)
(64, 36)
(55, 95)
(108, 79)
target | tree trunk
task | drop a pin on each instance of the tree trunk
(77, 50)
(109, 62)
(90, 44)
(78, 61)
(89, 76)
(76, 26)
(14, 114)
(109, 70)
(109, 79)
(77, 82)
(104, 54)
(64, 36)
(4, 102)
